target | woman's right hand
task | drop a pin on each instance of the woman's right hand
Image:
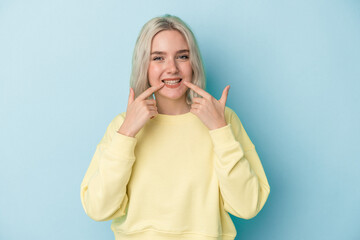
(139, 111)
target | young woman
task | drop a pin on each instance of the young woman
(173, 167)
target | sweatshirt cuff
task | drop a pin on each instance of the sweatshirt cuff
(223, 137)
(123, 145)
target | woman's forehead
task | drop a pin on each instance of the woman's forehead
(169, 40)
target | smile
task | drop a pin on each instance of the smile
(172, 82)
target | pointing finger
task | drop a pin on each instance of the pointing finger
(149, 91)
(198, 90)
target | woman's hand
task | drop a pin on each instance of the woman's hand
(139, 111)
(210, 111)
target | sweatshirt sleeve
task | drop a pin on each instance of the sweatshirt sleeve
(103, 189)
(243, 184)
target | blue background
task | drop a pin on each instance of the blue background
(293, 67)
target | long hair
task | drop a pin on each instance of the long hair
(141, 56)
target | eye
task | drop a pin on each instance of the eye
(183, 57)
(158, 58)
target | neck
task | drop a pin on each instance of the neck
(172, 107)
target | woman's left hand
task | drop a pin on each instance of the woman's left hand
(210, 111)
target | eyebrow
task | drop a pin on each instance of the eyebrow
(163, 53)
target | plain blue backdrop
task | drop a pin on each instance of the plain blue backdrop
(293, 68)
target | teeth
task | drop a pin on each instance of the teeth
(172, 82)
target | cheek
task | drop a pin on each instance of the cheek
(154, 71)
(187, 69)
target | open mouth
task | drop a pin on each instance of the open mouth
(171, 82)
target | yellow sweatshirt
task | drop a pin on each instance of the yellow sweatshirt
(176, 179)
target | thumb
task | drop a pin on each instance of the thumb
(131, 96)
(224, 95)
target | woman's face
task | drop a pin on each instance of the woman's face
(170, 63)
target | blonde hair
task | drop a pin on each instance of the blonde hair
(141, 56)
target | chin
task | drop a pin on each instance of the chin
(172, 96)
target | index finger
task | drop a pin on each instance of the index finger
(149, 91)
(198, 90)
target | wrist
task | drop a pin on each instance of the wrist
(124, 131)
(219, 125)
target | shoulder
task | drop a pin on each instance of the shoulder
(119, 118)
(238, 129)
(234, 121)
(231, 117)
(113, 126)
(117, 121)
(228, 111)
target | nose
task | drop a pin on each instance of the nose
(171, 66)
